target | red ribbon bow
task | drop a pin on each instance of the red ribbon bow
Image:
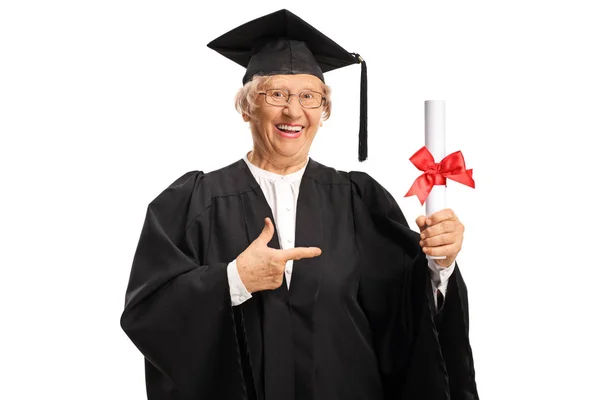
(452, 167)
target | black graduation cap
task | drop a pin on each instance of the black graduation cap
(281, 43)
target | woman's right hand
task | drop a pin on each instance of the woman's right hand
(261, 267)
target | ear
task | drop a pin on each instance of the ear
(320, 123)
(246, 117)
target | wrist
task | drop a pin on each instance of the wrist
(241, 271)
(445, 262)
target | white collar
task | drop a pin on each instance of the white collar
(272, 176)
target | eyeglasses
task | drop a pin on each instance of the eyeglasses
(281, 98)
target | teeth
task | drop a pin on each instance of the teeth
(284, 127)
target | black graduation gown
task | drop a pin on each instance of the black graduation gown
(357, 322)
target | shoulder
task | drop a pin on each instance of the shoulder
(183, 197)
(362, 184)
(213, 183)
(196, 189)
(364, 187)
(377, 199)
(358, 180)
(325, 175)
(186, 181)
(233, 179)
(369, 189)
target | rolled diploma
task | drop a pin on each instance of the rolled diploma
(435, 141)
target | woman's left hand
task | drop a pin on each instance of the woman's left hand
(441, 235)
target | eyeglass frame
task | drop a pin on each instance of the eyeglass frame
(323, 98)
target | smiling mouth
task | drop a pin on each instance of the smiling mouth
(289, 129)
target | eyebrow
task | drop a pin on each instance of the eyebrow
(288, 90)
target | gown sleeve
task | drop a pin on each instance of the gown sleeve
(422, 354)
(177, 310)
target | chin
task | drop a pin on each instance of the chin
(289, 146)
(289, 151)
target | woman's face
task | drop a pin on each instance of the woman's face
(284, 134)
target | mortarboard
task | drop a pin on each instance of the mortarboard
(281, 43)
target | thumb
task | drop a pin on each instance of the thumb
(267, 233)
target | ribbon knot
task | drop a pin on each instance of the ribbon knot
(450, 167)
(433, 169)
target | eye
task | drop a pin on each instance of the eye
(278, 94)
(307, 95)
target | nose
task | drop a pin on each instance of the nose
(293, 107)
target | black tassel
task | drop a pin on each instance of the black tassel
(362, 133)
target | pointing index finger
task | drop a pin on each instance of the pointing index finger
(299, 253)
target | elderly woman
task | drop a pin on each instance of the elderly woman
(279, 278)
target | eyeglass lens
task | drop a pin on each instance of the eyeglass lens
(307, 98)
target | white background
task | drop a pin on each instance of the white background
(104, 103)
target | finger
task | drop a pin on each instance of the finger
(421, 222)
(435, 230)
(299, 253)
(449, 250)
(440, 240)
(447, 226)
(267, 233)
(442, 215)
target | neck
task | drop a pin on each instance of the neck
(277, 165)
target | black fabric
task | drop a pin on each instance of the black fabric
(362, 133)
(440, 299)
(271, 35)
(358, 322)
(283, 57)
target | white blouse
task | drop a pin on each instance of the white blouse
(281, 192)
